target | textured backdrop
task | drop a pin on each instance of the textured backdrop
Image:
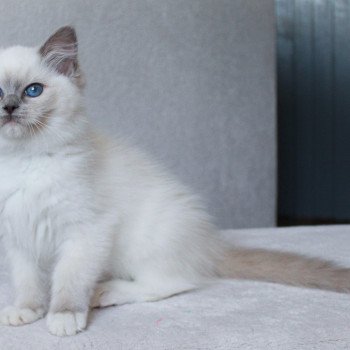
(192, 81)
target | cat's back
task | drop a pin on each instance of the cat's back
(133, 172)
(139, 187)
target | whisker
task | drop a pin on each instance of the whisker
(49, 128)
(38, 127)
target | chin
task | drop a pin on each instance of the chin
(13, 130)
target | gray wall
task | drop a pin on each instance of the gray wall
(192, 81)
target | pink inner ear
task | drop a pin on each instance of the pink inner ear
(66, 66)
(64, 62)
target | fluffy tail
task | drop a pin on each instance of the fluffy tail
(284, 268)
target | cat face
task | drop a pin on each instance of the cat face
(40, 88)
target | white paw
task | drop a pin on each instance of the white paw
(15, 316)
(66, 323)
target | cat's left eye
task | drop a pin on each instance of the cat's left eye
(34, 90)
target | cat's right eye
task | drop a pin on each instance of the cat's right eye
(1, 93)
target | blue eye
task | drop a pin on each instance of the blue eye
(34, 90)
(1, 93)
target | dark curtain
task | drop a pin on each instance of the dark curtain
(313, 55)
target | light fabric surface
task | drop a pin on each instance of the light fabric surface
(192, 81)
(230, 315)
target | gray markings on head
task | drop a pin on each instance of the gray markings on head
(11, 86)
(11, 100)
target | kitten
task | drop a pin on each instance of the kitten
(86, 221)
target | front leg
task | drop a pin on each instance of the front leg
(30, 299)
(74, 279)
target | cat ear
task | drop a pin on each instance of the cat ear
(60, 51)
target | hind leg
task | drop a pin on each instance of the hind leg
(119, 292)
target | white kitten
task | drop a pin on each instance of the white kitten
(76, 209)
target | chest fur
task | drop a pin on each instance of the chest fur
(28, 197)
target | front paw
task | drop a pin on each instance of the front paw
(66, 323)
(16, 316)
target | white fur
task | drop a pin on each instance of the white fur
(76, 209)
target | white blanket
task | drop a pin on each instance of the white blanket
(230, 315)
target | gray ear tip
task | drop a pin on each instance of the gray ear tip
(60, 51)
(67, 32)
